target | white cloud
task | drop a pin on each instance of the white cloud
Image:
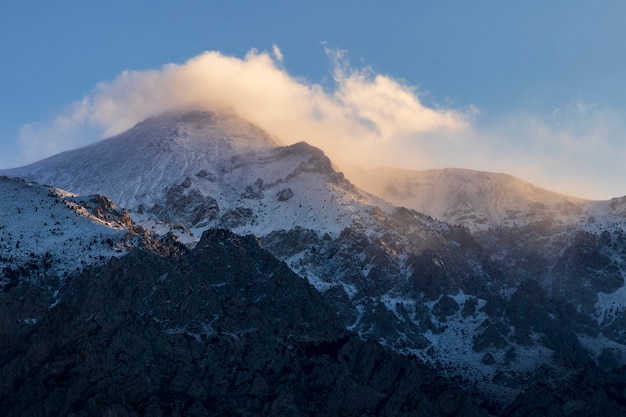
(277, 53)
(392, 108)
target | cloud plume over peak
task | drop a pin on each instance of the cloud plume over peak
(392, 107)
(362, 112)
(358, 118)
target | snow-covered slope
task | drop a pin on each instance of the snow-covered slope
(483, 200)
(206, 169)
(153, 155)
(46, 233)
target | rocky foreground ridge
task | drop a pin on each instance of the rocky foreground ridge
(223, 329)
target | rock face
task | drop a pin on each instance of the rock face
(186, 206)
(223, 329)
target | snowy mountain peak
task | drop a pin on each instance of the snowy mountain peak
(201, 169)
(223, 127)
(152, 156)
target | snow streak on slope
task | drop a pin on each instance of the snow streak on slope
(46, 232)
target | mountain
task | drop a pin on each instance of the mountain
(498, 310)
(483, 200)
(208, 169)
(526, 228)
(180, 173)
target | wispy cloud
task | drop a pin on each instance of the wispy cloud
(277, 53)
(577, 149)
(66, 131)
(393, 108)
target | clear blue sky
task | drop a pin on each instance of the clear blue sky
(560, 65)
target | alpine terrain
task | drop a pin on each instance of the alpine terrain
(193, 265)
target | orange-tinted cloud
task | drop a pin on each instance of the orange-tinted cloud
(361, 118)
(361, 113)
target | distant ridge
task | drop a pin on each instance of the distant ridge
(477, 199)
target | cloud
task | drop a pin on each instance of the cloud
(577, 149)
(360, 117)
(66, 131)
(353, 120)
(391, 106)
(277, 53)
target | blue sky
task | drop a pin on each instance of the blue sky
(534, 89)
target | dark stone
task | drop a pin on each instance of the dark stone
(488, 359)
(446, 306)
(285, 194)
(469, 307)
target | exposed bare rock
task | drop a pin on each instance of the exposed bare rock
(285, 194)
(187, 205)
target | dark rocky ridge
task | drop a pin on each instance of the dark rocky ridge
(525, 317)
(225, 329)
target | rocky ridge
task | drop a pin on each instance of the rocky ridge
(222, 329)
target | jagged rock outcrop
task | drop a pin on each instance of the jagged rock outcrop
(185, 205)
(588, 266)
(104, 209)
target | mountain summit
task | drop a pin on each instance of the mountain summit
(205, 169)
(153, 155)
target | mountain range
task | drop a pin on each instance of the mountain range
(474, 281)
